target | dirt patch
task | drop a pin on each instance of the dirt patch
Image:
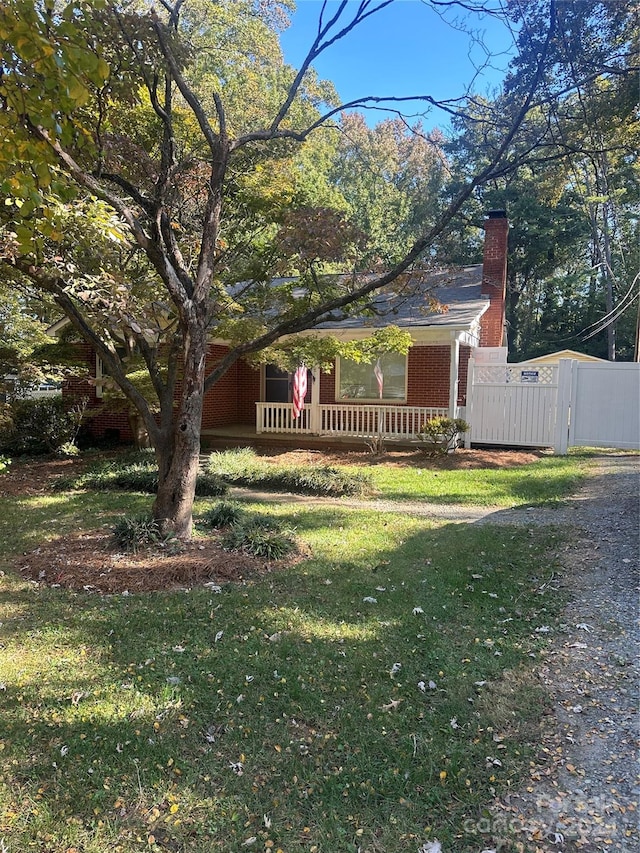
(25, 478)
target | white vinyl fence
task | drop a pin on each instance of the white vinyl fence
(604, 405)
(570, 404)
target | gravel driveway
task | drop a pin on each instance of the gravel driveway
(583, 794)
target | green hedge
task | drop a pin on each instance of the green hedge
(38, 426)
(242, 467)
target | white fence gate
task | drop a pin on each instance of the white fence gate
(604, 405)
(569, 404)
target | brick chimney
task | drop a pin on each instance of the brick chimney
(494, 279)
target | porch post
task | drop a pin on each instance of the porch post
(453, 375)
(314, 407)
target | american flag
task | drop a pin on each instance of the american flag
(379, 378)
(299, 390)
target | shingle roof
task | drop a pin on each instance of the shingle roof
(457, 289)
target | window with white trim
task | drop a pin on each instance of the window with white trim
(384, 379)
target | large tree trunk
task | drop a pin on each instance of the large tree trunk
(178, 464)
(178, 450)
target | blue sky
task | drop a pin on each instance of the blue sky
(405, 49)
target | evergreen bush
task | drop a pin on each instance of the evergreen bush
(440, 435)
(39, 426)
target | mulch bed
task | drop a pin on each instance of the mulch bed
(87, 560)
(461, 460)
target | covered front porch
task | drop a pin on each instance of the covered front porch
(425, 385)
(325, 427)
(341, 405)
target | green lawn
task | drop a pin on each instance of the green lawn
(276, 709)
(545, 481)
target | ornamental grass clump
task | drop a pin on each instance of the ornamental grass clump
(257, 535)
(132, 532)
(223, 514)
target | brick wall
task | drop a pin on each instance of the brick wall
(327, 387)
(98, 420)
(220, 405)
(428, 378)
(494, 278)
(248, 379)
(232, 400)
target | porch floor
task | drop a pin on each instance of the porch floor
(244, 435)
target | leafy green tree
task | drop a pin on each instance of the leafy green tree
(391, 176)
(573, 199)
(141, 162)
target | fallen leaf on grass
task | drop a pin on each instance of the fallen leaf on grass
(431, 847)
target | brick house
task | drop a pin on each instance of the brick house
(252, 404)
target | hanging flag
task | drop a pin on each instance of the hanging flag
(299, 390)
(379, 377)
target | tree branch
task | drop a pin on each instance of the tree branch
(317, 315)
(54, 285)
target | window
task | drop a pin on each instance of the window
(364, 382)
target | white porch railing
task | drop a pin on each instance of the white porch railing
(346, 419)
(277, 417)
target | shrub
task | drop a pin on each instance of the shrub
(377, 444)
(440, 435)
(256, 535)
(68, 450)
(210, 485)
(39, 426)
(243, 468)
(223, 514)
(136, 531)
(136, 472)
(4, 463)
